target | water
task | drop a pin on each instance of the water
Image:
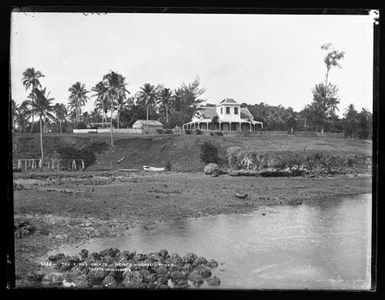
(320, 245)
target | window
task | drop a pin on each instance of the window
(221, 110)
(227, 110)
(235, 110)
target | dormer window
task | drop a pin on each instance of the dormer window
(227, 110)
(235, 110)
(221, 110)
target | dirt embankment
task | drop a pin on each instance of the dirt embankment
(183, 152)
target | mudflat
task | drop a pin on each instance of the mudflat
(68, 208)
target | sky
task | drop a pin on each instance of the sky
(274, 59)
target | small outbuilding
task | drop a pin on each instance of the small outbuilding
(148, 126)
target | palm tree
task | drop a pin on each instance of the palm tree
(78, 98)
(147, 96)
(101, 99)
(42, 107)
(31, 81)
(116, 91)
(164, 98)
(23, 114)
(61, 114)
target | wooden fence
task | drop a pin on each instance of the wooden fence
(32, 164)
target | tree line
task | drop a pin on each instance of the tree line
(174, 107)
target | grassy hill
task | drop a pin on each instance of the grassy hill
(183, 152)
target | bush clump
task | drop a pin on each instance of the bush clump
(168, 166)
(198, 132)
(209, 153)
(69, 152)
(211, 169)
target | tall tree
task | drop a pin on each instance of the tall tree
(116, 91)
(147, 96)
(42, 107)
(31, 82)
(331, 59)
(185, 102)
(164, 99)
(61, 114)
(324, 103)
(101, 102)
(78, 98)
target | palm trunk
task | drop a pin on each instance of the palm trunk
(32, 124)
(41, 139)
(60, 127)
(118, 116)
(147, 119)
(112, 136)
(167, 115)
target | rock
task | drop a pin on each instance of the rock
(125, 255)
(81, 281)
(200, 261)
(110, 252)
(163, 253)
(133, 280)
(68, 284)
(212, 263)
(175, 259)
(240, 195)
(83, 253)
(214, 281)
(187, 267)
(108, 260)
(211, 169)
(176, 275)
(154, 257)
(95, 277)
(35, 276)
(109, 281)
(56, 257)
(44, 231)
(203, 271)
(147, 277)
(195, 278)
(95, 256)
(162, 280)
(189, 258)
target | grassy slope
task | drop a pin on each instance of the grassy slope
(183, 151)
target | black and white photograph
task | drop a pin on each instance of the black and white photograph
(193, 150)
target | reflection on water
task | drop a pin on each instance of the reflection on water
(321, 245)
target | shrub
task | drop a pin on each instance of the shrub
(70, 152)
(187, 131)
(160, 131)
(198, 132)
(168, 166)
(209, 153)
(168, 131)
(220, 133)
(211, 169)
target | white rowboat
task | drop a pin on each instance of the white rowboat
(154, 169)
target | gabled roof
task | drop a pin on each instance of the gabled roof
(139, 123)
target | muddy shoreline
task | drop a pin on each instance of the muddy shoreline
(67, 209)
